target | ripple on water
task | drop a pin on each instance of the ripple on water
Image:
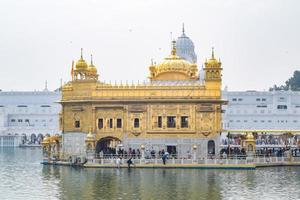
(23, 177)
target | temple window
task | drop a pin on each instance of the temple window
(100, 123)
(281, 106)
(184, 122)
(159, 121)
(77, 124)
(119, 123)
(136, 123)
(171, 121)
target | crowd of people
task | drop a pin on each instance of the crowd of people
(259, 152)
(276, 140)
(264, 140)
(133, 153)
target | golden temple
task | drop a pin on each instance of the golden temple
(173, 111)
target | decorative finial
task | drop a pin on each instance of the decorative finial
(212, 53)
(151, 61)
(173, 47)
(182, 28)
(91, 59)
(81, 53)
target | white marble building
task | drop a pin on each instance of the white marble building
(256, 110)
(27, 116)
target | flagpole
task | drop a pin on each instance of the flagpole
(72, 70)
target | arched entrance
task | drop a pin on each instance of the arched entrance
(24, 138)
(107, 145)
(40, 138)
(33, 138)
(211, 147)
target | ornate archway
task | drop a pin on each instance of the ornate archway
(107, 145)
(33, 138)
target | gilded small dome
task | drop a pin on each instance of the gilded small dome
(92, 69)
(90, 136)
(250, 136)
(81, 64)
(213, 62)
(46, 140)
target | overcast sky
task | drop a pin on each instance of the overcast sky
(258, 41)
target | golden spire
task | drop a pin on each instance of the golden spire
(212, 53)
(81, 54)
(173, 48)
(92, 67)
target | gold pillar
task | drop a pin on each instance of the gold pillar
(249, 144)
(46, 148)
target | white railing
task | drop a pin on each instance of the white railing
(207, 161)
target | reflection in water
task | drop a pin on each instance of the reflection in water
(23, 177)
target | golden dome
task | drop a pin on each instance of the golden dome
(174, 62)
(81, 64)
(176, 67)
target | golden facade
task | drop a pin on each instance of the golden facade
(173, 109)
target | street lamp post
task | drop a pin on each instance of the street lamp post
(194, 152)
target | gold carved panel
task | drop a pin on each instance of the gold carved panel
(137, 108)
(205, 108)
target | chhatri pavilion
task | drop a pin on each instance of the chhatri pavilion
(174, 110)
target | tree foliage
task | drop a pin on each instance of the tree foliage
(293, 83)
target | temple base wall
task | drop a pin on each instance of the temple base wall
(73, 143)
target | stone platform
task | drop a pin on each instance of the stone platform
(232, 163)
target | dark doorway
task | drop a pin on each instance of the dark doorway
(211, 147)
(171, 149)
(107, 145)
